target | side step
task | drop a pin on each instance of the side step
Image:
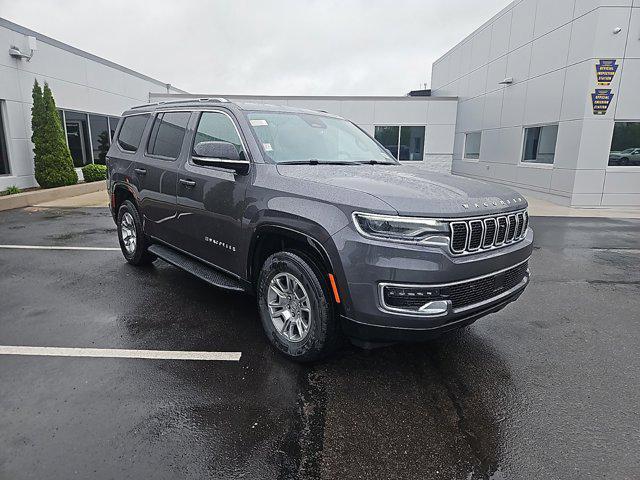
(202, 271)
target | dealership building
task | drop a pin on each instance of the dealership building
(543, 97)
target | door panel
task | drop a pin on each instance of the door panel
(210, 210)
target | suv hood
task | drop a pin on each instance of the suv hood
(413, 191)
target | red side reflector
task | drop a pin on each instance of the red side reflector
(334, 288)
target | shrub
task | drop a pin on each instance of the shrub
(52, 161)
(11, 190)
(94, 172)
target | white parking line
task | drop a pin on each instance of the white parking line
(56, 247)
(120, 353)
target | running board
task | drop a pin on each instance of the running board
(196, 268)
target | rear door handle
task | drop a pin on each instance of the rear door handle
(140, 171)
(187, 183)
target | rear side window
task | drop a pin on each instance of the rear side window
(131, 132)
(167, 134)
(218, 127)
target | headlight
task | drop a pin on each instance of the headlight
(401, 229)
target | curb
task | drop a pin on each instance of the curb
(28, 199)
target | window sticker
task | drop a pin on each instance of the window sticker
(258, 122)
(267, 147)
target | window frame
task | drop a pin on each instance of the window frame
(521, 162)
(396, 156)
(620, 168)
(464, 146)
(157, 113)
(123, 118)
(235, 123)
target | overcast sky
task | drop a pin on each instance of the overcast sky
(266, 47)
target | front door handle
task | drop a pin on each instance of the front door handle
(187, 183)
(140, 171)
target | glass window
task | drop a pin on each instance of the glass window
(291, 137)
(218, 127)
(389, 137)
(411, 143)
(78, 137)
(625, 145)
(100, 140)
(540, 144)
(131, 132)
(167, 134)
(113, 124)
(472, 142)
(4, 157)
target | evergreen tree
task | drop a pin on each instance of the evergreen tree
(53, 163)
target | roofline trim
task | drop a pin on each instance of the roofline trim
(248, 98)
(76, 51)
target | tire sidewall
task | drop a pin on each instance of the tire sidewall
(314, 344)
(135, 257)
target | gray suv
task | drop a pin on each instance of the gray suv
(303, 209)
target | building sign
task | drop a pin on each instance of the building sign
(601, 100)
(605, 71)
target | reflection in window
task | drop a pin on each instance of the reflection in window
(100, 140)
(411, 143)
(389, 137)
(4, 158)
(472, 142)
(625, 145)
(78, 138)
(217, 127)
(167, 134)
(540, 144)
(131, 132)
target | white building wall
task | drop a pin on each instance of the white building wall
(78, 80)
(549, 48)
(437, 114)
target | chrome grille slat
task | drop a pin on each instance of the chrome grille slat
(484, 233)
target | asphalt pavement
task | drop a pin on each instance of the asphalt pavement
(546, 388)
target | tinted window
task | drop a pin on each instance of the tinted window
(540, 144)
(472, 145)
(100, 139)
(625, 145)
(218, 127)
(411, 143)
(4, 160)
(131, 132)
(113, 124)
(167, 134)
(388, 136)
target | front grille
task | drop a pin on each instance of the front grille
(485, 233)
(411, 298)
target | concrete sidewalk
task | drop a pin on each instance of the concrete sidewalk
(94, 199)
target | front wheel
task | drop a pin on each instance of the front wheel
(133, 242)
(296, 309)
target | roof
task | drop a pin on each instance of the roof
(76, 51)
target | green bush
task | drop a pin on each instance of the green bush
(11, 190)
(94, 172)
(52, 161)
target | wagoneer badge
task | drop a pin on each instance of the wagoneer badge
(495, 204)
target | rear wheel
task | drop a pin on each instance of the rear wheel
(296, 309)
(133, 242)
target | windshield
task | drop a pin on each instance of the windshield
(300, 137)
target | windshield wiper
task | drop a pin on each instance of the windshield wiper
(375, 162)
(315, 161)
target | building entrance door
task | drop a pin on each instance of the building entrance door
(75, 138)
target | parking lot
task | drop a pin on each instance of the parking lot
(546, 388)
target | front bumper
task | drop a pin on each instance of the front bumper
(369, 265)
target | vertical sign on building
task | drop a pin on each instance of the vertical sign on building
(601, 98)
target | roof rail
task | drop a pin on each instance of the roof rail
(146, 105)
(166, 102)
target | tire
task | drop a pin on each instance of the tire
(323, 334)
(133, 248)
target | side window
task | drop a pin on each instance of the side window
(218, 127)
(131, 132)
(167, 134)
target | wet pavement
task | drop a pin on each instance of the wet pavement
(546, 388)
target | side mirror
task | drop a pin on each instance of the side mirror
(221, 150)
(221, 155)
